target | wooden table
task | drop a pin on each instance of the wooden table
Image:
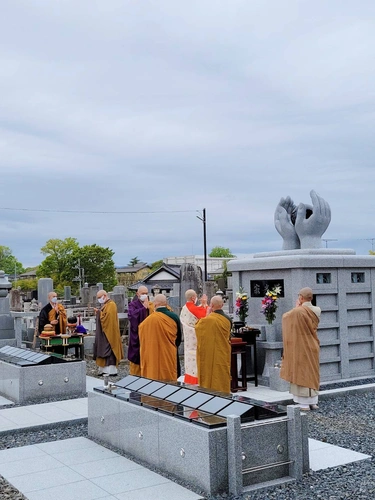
(238, 348)
(249, 336)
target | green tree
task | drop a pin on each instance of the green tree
(61, 261)
(221, 252)
(155, 265)
(98, 265)
(133, 261)
(27, 285)
(8, 262)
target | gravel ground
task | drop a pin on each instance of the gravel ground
(347, 421)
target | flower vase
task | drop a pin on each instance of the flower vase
(273, 333)
(242, 318)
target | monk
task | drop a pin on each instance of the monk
(108, 350)
(139, 309)
(54, 314)
(214, 349)
(300, 364)
(189, 316)
(159, 337)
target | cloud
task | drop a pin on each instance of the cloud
(173, 106)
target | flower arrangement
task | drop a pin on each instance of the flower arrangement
(242, 305)
(269, 303)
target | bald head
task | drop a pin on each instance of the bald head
(160, 300)
(102, 295)
(306, 294)
(142, 290)
(216, 303)
(51, 295)
(190, 295)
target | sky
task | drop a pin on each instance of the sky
(120, 120)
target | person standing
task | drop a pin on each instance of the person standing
(190, 313)
(159, 337)
(108, 350)
(214, 348)
(300, 363)
(54, 314)
(139, 309)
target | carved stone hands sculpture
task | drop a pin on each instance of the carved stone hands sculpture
(302, 226)
(285, 225)
(311, 229)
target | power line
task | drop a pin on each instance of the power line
(96, 211)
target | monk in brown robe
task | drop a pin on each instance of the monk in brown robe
(300, 364)
(108, 350)
(159, 338)
(54, 314)
(213, 348)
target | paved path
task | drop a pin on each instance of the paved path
(80, 468)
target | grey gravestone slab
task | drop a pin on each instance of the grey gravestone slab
(45, 285)
(190, 278)
(85, 295)
(67, 293)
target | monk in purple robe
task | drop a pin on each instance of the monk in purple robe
(139, 309)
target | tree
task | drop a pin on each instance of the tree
(98, 265)
(61, 261)
(155, 265)
(133, 261)
(221, 252)
(65, 257)
(8, 262)
(27, 285)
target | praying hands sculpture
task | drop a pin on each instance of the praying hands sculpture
(302, 226)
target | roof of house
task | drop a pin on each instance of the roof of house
(132, 269)
(28, 274)
(164, 284)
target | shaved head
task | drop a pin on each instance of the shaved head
(51, 295)
(101, 293)
(142, 290)
(189, 294)
(160, 300)
(306, 293)
(216, 302)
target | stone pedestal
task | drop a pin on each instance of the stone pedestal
(277, 383)
(344, 288)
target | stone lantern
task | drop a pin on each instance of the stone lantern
(5, 285)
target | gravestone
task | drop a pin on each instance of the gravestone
(190, 278)
(119, 300)
(342, 284)
(67, 293)
(6, 321)
(92, 296)
(45, 285)
(15, 300)
(209, 289)
(100, 286)
(85, 295)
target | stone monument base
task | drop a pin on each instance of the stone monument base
(34, 383)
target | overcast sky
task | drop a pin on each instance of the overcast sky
(178, 105)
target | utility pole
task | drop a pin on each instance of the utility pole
(203, 219)
(371, 240)
(327, 240)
